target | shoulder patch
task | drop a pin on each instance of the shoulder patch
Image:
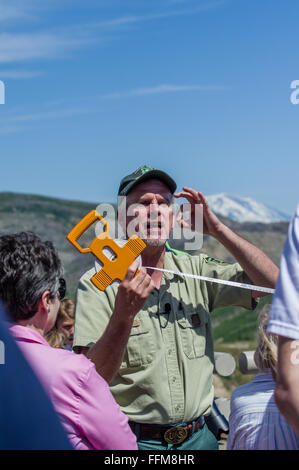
(209, 259)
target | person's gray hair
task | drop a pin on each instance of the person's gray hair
(28, 268)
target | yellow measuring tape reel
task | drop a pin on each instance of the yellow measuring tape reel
(112, 269)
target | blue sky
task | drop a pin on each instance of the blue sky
(198, 88)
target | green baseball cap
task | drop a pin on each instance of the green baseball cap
(144, 173)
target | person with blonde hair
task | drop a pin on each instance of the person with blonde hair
(62, 333)
(265, 355)
(66, 321)
(55, 339)
(255, 423)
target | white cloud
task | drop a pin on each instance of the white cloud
(29, 10)
(5, 130)
(10, 12)
(126, 20)
(16, 10)
(20, 47)
(19, 74)
(45, 115)
(29, 46)
(159, 89)
(17, 122)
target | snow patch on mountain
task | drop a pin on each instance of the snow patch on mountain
(244, 209)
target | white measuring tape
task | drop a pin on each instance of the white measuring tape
(109, 255)
(218, 281)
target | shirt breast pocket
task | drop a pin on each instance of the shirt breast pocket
(140, 348)
(192, 324)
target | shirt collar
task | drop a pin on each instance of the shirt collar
(263, 377)
(23, 333)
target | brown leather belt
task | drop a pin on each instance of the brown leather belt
(172, 434)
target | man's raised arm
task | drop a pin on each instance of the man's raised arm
(256, 264)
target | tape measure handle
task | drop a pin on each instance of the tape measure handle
(82, 226)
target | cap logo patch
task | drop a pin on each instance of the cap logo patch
(144, 169)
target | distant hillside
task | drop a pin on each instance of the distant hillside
(53, 218)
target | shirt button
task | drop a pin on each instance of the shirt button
(173, 379)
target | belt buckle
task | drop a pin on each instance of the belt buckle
(175, 435)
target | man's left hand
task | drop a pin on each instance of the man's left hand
(211, 223)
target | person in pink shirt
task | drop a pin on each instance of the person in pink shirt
(31, 288)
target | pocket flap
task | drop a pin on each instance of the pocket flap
(192, 317)
(138, 328)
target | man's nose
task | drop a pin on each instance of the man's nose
(154, 209)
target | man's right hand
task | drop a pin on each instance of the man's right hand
(133, 292)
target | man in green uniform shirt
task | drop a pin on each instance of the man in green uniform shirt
(151, 338)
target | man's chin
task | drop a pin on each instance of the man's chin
(154, 242)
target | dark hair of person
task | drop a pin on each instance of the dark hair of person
(28, 268)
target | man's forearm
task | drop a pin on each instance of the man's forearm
(108, 352)
(257, 265)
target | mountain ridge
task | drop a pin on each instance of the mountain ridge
(245, 209)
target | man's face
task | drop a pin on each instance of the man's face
(149, 212)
